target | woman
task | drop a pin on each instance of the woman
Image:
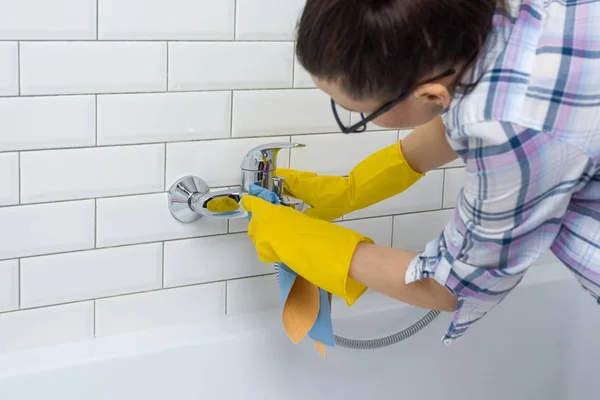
(513, 88)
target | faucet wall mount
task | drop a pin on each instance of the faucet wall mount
(189, 197)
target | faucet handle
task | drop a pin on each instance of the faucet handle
(277, 146)
(260, 163)
(264, 157)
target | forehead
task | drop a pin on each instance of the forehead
(335, 91)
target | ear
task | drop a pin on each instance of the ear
(434, 93)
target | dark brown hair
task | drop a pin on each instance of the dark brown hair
(379, 48)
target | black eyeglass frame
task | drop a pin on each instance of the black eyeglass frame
(361, 126)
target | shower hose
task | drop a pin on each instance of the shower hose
(369, 344)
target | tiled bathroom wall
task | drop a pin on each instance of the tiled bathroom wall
(103, 105)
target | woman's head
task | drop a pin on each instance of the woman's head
(366, 53)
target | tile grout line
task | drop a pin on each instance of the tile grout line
(167, 67)
(188, 285)
(20, 288)
(294, 65)
(142, 292)
(164, 183)
(231, 116)
(19, 68)
(95, 223)
(226, 285)
(133, 244)
(235, 21)
(97, 19)
(19, 176)
(163, 266)
(95, 322)
(96, 120)
(162, 92)
(146, 40)
(443, 189)
(183, 141)
(162, 191)
(290, 154)
(392, 235)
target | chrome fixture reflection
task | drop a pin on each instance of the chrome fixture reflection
(190, 198)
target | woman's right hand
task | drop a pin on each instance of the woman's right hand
(380, 176)
(326, 195)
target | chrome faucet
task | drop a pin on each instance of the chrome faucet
(190, 197)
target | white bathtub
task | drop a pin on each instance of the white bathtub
(541, 343)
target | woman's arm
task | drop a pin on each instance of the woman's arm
(497, 231)
(383, 269)
(426, 148)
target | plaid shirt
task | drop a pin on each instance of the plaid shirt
(529, 134)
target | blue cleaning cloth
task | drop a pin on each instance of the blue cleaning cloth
(322, 330)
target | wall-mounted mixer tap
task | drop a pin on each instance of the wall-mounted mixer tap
(190, 198)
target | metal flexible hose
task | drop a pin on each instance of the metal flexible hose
(370, 344)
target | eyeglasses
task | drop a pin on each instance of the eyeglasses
(361, 126)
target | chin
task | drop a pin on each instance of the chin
(404, 124)
(406, 120)
(393, 123)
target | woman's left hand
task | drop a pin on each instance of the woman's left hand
(319, 251)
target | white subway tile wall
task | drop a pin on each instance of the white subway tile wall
(95, 172)
(104, 107)
(302, 78)
(9, 68)
(9, 285)
(46, 326)
(454, 181)
(337, 154)
(252, 295)
(209, 259)
(92, 67)
(165, 19)
(267, 19)
(47, 19)
(414, 231)
(163, 117)
(145, 219)
(9, 179)
(378, 229)
(63, 278)
(46, 228)
(184, 305)
(29, 123)
(231, 65)
(276, 112)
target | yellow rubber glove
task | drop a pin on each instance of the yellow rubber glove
(319, 251)
(380, 176)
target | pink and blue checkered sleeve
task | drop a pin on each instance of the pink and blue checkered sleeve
(518, 187)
